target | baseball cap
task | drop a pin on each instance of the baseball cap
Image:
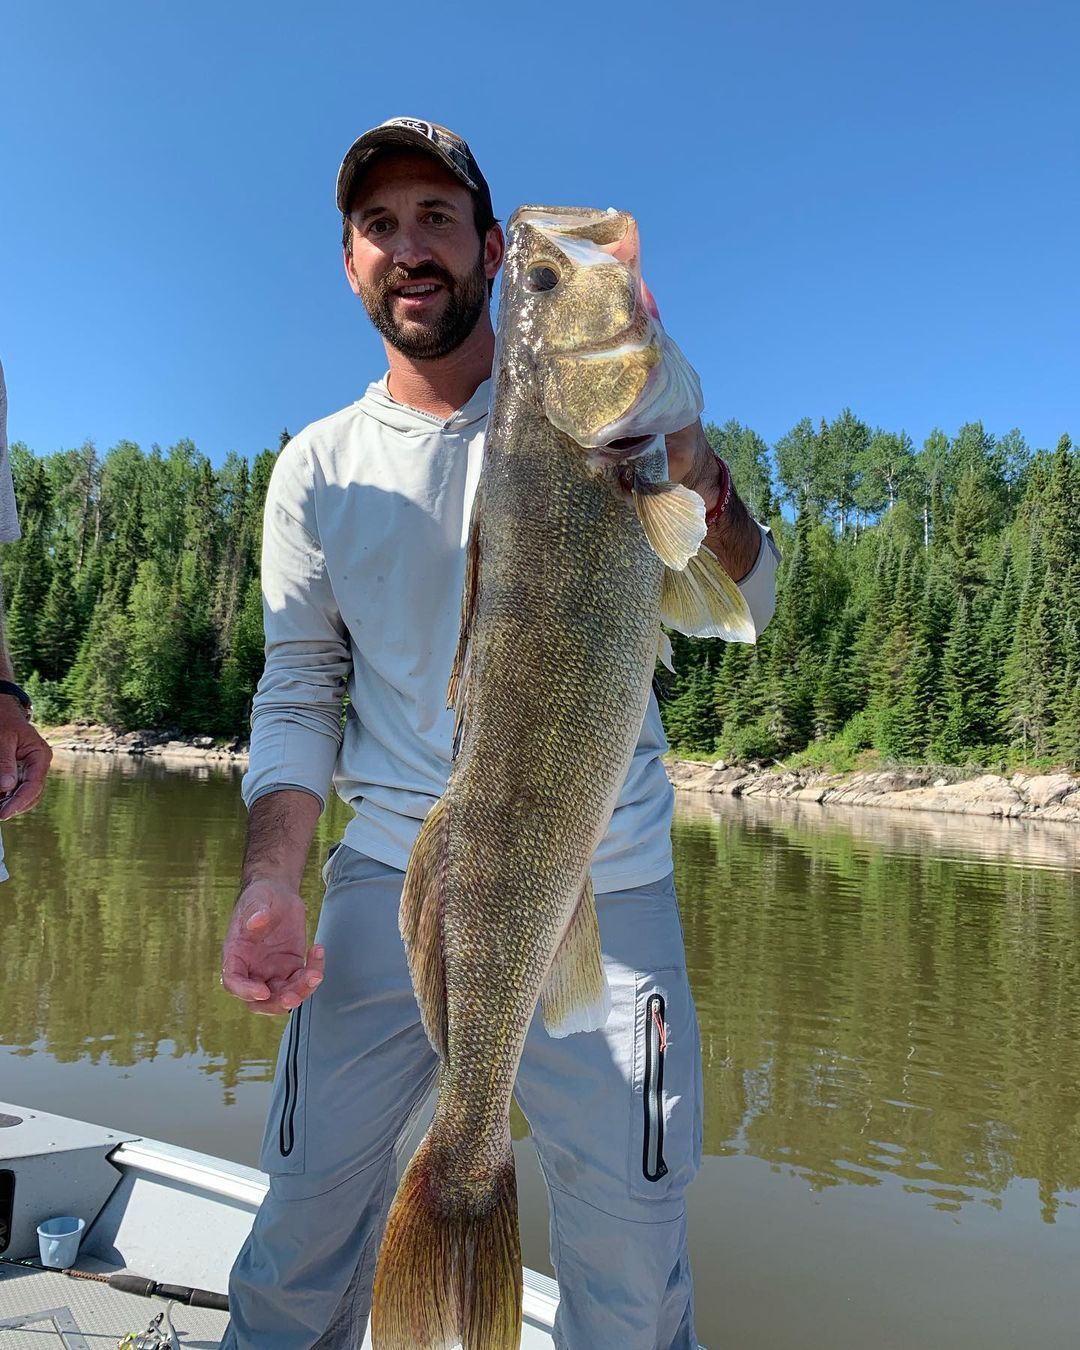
(413, 133)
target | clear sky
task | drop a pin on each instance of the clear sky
(842, 203)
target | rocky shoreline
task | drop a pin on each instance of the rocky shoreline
(1051, 796)
(168, 744)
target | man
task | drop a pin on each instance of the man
(24, 755)
(363, 563)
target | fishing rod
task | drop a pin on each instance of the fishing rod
(127, 1283)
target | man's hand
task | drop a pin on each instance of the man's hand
(24, 760)
(263, 960)
(735, 538)
(691, 462)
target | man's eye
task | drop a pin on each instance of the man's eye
(437, 218)
(379, 227)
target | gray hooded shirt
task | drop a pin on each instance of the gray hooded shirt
(366, 522)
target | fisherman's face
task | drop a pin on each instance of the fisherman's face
(417, 261)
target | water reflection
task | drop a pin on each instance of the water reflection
(122, 883)
(884, 995)
(888, 1008)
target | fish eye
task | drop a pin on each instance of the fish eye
(541, 278)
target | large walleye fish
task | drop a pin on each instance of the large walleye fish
(578, 548)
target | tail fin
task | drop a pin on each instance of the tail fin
(449, 1268)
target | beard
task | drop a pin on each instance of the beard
(426, 340)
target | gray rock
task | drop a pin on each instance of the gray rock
(1046, 789)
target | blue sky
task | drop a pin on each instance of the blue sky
(840, 203)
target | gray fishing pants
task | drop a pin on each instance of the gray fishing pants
(615, 1114)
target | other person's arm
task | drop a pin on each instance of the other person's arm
(24, 755)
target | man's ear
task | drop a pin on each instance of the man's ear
(350, 270)
(494, 248)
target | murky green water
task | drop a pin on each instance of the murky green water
(890, 1014)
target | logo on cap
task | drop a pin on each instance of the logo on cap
(424, 128)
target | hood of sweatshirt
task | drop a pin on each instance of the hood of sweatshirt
(378, 404)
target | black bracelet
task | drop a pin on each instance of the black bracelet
(9, 687)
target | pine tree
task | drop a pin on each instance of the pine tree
(690, 717)
(966, 684)
(58, 634)
(835, 696)
(967, 531)
(889, 673)
(244, 661)
(1023, 700)
(31, 574)
(93, 688)
(789, 700)
(999, 629)
(157, 661)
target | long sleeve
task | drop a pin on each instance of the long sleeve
(759, 586)
(296, 715)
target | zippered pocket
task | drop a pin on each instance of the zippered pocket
(287, 1118)
(283, 1140)
(665, 1120)
(652, 1162)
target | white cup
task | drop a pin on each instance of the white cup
(58, 1241)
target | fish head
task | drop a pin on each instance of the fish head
(580, 335)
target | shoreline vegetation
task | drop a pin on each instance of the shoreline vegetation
(1043, 796)
(928, 603)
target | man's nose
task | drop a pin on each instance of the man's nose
(410, 247)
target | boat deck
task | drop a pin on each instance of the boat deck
(44, 1310)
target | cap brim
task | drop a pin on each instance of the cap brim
(383, 138)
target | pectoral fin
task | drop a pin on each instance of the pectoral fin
(703, 601)
(673, 519)
(421, 922)
(575, 996)
(664, 653)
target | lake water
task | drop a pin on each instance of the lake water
(890, 1017)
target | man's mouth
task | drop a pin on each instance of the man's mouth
(416, 294)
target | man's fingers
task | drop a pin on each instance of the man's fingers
(9, 774)
(276, 997)
(247, 989)
(35, 767)
(236, 980)
(263, 959)
(303, 983)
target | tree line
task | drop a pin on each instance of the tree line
(928, 602)
(133, 596)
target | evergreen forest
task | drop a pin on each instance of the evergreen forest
(928, 603)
